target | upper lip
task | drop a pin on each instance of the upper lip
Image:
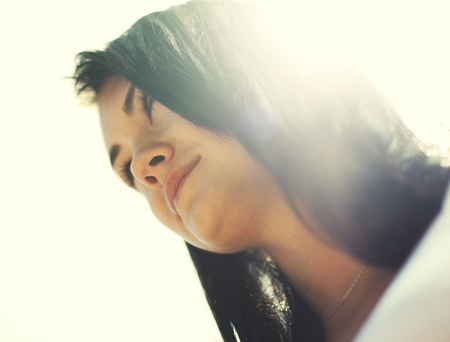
(174, 179)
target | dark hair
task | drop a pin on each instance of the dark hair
(333, 142)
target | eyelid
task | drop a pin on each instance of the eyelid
(146, 102)
(124, 171)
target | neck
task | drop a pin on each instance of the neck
(324, 275)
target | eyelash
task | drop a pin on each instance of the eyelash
(124, 170)
(147, 103)
(125, 173)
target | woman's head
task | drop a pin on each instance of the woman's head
(204, 186)
(324, 133)
(179, 61)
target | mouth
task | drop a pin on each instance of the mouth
(176, 179)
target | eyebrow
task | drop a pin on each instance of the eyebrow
(128, 104)
(113, 153)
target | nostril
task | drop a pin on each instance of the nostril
(156, 160)
(151, 179)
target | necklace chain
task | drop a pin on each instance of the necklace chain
(347, 293)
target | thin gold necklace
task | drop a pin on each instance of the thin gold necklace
(347, 293)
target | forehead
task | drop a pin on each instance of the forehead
(112, 92)
(110, 101)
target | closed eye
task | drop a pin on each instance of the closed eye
(125, 173)
(147, 103)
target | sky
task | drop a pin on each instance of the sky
(81, 256)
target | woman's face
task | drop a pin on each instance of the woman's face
(204, 187)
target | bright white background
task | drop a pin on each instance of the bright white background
(81, 257)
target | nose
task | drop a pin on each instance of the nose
(149, 165)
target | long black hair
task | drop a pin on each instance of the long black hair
(329, 137)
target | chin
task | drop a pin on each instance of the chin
(220, 241)
(216, 231)
(219, 249)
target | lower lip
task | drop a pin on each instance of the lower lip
(180, 186)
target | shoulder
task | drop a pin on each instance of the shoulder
(415, 306)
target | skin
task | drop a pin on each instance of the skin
(229, 203)
(222, 199)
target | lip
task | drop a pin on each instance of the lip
(176, 179)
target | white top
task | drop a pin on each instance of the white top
(416, 306)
